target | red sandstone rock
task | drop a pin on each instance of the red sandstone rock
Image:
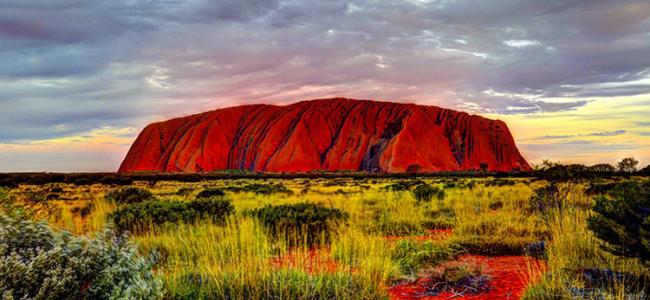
(327, 134)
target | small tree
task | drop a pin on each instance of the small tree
(484, 167)
(623, 220)
(627, 164)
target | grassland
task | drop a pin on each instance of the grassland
(389, 238)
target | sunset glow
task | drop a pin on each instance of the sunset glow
(80, 79)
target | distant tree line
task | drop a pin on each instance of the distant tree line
(547, 169)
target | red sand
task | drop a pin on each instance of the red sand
(433, 234)
(327, 134)
(509, 279)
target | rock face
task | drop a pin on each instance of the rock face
(328, 134)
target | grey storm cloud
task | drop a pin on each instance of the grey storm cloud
(69, 66)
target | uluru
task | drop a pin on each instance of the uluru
(329, 135)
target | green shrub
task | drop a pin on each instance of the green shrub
(599, 188)
(396, 187)
(128, 195)
(500, 182)
(301, 222)
(403, 185)
(140, 216)
(426, 192)
(261, 188)
(39, 263)
(210, 192)
(624, 220)
(184, 191)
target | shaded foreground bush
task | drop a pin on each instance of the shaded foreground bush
(301, 222)
(127, 195)
(623, 220)
(39, 263)
(140, 216)
(283, 284)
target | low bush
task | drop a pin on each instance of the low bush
(498, 204)
(140, 216)
(261, 188)
(82, 181)
(184, 191)
(403, 185)
(396, 187)
(39, 263)
(117, 180)
(210, 193)
(128, 195)
(426, 192)
(56, 189)
(499, 182)
(8, 182)
(301, 222)
(599, 188)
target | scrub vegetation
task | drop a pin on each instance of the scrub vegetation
(325, 238)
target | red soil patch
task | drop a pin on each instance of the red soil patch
(509, 279)
(433, 234)
(311, 261)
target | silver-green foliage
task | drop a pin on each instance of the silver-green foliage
(37, 262)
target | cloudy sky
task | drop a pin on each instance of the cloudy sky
(79, 79)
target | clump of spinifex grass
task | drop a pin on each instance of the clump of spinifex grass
(235, 262)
